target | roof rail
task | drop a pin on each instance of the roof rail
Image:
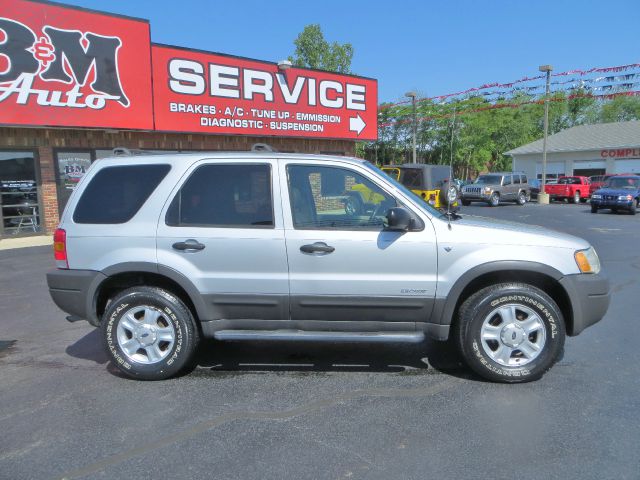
(129, 152)
(262, 147)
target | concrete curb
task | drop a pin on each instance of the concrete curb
(23, 242)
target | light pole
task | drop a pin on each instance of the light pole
(543, 197)
(412, 96)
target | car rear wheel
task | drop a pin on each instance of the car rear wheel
(149, 333)
(494, 200)
(353, 206)
(510, 332)
(576, 197)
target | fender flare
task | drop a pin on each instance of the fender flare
(444, 307)
(147, 267)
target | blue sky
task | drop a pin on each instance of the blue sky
(433, 47)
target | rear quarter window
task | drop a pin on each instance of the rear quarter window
(115, 194)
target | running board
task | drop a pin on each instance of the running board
(301, 335)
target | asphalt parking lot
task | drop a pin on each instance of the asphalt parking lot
(322, 411)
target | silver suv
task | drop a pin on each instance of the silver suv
(493, 188)
(159, 251)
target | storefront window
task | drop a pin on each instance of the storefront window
(19, 201)
(71, 167)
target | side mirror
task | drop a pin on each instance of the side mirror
(398, 219)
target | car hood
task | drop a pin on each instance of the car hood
(617, 191)
(475, 229)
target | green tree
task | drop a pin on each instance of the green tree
(621, 109)
(313, 51)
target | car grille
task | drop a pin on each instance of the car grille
(609, 197)
(476, 190)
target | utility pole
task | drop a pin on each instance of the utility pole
(543, 197)
(412, 96)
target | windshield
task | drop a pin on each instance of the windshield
(623, 182)
(489, 180)
(569, 181)
(419, 201)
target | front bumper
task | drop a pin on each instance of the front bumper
(589, 296)
(73, 291)
(606, 203)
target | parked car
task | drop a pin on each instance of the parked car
(575, 189)
(160, 250)
(430, 182)
(493, 188)
(620, 192)
(534, 188)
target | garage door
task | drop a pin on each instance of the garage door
(554, 170)
(627, 166)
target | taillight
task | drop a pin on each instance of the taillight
(60, 248)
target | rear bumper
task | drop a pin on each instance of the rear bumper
(73, 291)
(589, 296)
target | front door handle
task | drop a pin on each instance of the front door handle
(318, 247)
(190, 245)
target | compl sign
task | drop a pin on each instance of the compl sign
(62, 66)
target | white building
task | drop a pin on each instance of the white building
(584, 150)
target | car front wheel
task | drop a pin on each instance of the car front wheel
(149, 333)
(594, 209)
(522, 198)
(510, 332)
(494, 200)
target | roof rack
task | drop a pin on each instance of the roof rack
(262, 147)
(129, 152)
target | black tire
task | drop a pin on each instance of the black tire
(466, 203)
(614, 210)
(446, 193)
(494, 199)
(353, 206)
(522, 198)
(583, 200)
(575, 198)
(594, 209)
(479, 307)
(172, 313)
(634, 208)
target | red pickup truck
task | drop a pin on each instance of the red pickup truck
(575, 189)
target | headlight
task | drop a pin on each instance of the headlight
(587, 260)
(486, 190)
(596, 196)
(625, 197)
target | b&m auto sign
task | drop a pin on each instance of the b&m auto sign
(62, 66)
(212, 93)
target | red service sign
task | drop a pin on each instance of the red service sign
(62, 66)
(203, 92)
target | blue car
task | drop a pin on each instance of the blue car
(620, 192)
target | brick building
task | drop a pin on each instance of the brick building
(68, 106)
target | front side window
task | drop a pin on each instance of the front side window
(237, 196)
(335, 198)
(516, 179)
(507, 180)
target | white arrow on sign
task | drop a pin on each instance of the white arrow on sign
(356, 124)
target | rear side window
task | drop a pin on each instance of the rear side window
(115, 194)
(224, 196)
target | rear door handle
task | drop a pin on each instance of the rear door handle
(318, 247)
(190, 245)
